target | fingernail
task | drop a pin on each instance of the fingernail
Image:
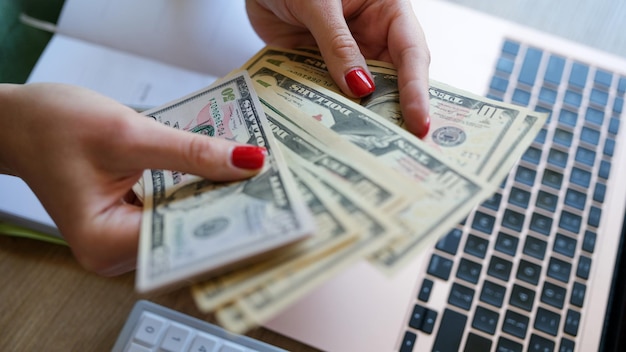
(425, 127)
(248, 157)
(359, 82)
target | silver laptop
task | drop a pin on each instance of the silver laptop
(533, 267)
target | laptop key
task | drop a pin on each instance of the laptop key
(609, 147)
(563, 137)
(440, 267)
(485, 320)
(513, 220)
(499, 268)
(519, 197)
(589, 241)
(493, 202)
(572, 321)
(522, 297)
(614, 125)
(483, 222)
(552, 179)
(578, 75)
(450, 332)
(541, 224)
(557, 158)
(575, 199)
(540, 344)
(425, 290)
(530, 66)
(547, 321)
(568, 118)
(567, 345)
(547, 201)
(553, 295)
(525, 176)
(506, 244)
(585, 156)
(535, 247)
(515, 324)
(469, 270)
(554, 70)
(594, 116)
(584, 267)
(605, 169)
(590, 136)
(528, 272)
(564, 245)
(461, 296)
(506, 345)
(559, 269)
(450, 242)
(578, 294)
(408, 342)
(570, 221)
(594, 216)
(477, 343)
(476, 246)
(492, 293)
(599, 192)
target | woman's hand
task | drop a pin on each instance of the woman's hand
(346, 33)
(81, 153)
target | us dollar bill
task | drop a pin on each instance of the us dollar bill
(471, 130)
(365, 175)
(445, 193)
(193, 227)
(274, 294)
(335, 228)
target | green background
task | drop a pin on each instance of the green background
(20, 44)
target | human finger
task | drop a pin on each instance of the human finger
(338, 47)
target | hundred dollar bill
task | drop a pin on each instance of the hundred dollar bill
(474, 131)
(447, 192)
(272, 296)
(192, 227)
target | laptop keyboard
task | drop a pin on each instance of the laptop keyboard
(517, 268)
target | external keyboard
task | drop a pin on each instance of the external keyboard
(152, 327)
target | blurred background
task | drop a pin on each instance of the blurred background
(596, 23)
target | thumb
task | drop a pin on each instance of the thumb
(341, 53)
(163, 147)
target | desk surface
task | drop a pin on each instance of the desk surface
(49, 303)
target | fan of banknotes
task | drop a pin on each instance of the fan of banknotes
(343, 182)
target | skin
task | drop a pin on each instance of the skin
(350, 31)
(81, 152)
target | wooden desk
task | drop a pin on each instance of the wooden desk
(49, 303)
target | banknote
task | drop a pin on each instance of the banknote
(378, 185)
(335, 228)
(473, 131)
(193, 227)
(445, 192)
(274, 295)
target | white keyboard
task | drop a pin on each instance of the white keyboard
(151, 327)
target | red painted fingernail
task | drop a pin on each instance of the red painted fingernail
(248, 157)
(359, 82)
(425, 127)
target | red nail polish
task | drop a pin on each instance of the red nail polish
(248, 157)
(359, 82)
(425, 127)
